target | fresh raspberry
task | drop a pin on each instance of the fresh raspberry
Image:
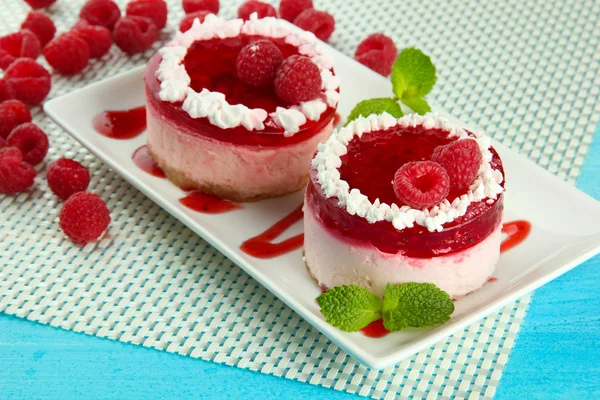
(461, 159)
(254, 6)
(156, 10)
(188, 20)
(12, 114)
(68, 54)
(290, 9)
(17, 45)
(421, 184)
(377, 52)
(40, 25)
(318, 22)
(2, 142)
(5, 91)
(98, 38)
(297, 80)
(105, 13)
(28, 81)
(190, 6)
(15, 175)
(37, 4)
(135, 34)
(84, 217)
(257, 63)
(31, 140)
(66, 176)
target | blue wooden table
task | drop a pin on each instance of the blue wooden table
(557, 354)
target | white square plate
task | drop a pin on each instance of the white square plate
(566, 222)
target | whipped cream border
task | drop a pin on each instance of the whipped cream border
(327, 162)
(175, 81)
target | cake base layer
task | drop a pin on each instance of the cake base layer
(230, 171)
(332, 262)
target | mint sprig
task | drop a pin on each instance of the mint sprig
(415, 305)
(376, 106)
(351, 308)
(413, 76)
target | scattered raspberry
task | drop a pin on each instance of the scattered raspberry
(297, 80)
(254, 6)
(461, 159)
(105, 13)
(84, 217)
(190, 6)
(5, 91)
(377, 52)
(37, 4)
(28, 81)
(68, 54)
(98, 38)
(318, 22)
(188, 20)
(66, 176)
(135, 34)
(156, 10)
(421, 184)
(12, 114)
(15, 175)
(290, 9)
(40, 25)
(31, 140)
(17, 45)
(257, 63)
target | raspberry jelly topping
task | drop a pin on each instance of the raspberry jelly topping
(211, 65)
(369, 166)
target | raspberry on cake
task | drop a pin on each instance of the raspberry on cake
(218, 126)
(379, 210)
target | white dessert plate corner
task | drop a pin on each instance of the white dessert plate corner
(565, 221)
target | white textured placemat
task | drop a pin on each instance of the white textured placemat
(526, 71)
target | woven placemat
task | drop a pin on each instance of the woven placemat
(526, 71)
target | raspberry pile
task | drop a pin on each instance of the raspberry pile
(37, 4)
(40, 25)
(377, 52)
(261, 9)
(257, 63)
(302, 14)
(190, 6)
(16, 45)
(15, 174)
(453, 167)
(188, 20)
(295, 79)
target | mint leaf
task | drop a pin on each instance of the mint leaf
(420, 106)
(376, 106)
(413, 74)
(349, 308)
(415, 305)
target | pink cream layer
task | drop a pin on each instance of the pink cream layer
(332, 261)
(229, 170)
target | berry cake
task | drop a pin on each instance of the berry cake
(415, 199)
(236, 108)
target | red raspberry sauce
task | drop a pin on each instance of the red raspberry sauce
(375, 329)
(144, 161)
(517, 231)
(125, 124)
(211, 64)
(370, 166)
(208, 204)
(262, 246)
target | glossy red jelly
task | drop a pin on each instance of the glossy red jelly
(370, 165)
(208, 204)
(211, 64)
